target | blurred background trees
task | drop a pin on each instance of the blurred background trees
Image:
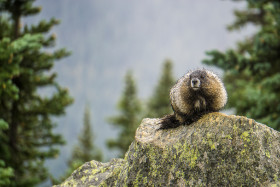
(158, 104)
(26, 133)
(84, 151)
(132, 110)
(252, 69)
(129, 117)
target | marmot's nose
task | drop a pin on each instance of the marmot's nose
(195, 82)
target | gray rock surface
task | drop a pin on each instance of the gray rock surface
(217, 150)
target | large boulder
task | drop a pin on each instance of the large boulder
(217, 150)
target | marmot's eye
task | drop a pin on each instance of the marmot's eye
(202, 76)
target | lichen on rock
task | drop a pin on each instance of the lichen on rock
(217, 150)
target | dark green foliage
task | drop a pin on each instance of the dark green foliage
(128, 119)
(252, 70)
(159, 103)
(25, 66)
(5, 173)
(84, 151)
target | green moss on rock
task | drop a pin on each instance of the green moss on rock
(217, 150)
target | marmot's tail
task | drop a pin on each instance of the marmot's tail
(169, 121)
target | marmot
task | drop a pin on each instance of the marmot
(195, 94)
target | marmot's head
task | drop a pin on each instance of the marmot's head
(197, 79)
(207, 84)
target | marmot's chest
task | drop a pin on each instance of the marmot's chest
(199, 103)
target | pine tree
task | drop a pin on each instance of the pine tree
(128, 119)
(85, 150)
(6, 173)
(25, 66)
(7, 91)
(252, 70)
(159, 103)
